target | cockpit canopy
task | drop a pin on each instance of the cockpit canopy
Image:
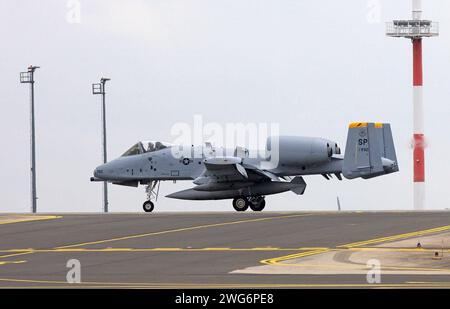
(144, 147)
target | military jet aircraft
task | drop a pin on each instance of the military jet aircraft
(369, 153)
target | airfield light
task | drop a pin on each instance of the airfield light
(415, 29)
(99, 88)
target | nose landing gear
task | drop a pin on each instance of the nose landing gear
(152, 190)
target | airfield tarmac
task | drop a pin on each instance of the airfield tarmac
(226, 250)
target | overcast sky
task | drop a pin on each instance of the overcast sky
(310, 66)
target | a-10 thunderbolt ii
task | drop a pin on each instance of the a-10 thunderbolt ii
(369, 153)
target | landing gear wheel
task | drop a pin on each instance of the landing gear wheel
(148, 206)
(240, 203)
(257, 204)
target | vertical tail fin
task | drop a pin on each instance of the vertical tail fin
(370, 151)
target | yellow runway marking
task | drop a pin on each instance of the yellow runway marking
(28, 218)
(192, 228)
(11, 262)
(425, 282)
(396, 237)
(109, 250)
(278, 260)
(307, 251)
(145, 285)
(237, 286)
(398, 249)
(354, 247)
(383, 268)
(16, 254)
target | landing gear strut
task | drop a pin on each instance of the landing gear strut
(242, 203)
(152, 190)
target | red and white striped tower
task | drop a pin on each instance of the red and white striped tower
(415, 29)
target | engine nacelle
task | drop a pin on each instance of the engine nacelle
(298, 150)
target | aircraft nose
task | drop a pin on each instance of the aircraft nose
(103, 171)
(98, 172)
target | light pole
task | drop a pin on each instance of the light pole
(99, 88)
(28, 78)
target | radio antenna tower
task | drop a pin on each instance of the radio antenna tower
(415, 29)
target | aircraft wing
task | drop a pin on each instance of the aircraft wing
(224, 172)
(225, 169)
(263, 173)
(230, 177)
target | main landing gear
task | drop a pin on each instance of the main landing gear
(242, 203)
(152, 191)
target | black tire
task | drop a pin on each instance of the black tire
(240, 203)
(148, 206)
(259, 206)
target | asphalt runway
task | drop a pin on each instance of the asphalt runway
(195, 250)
